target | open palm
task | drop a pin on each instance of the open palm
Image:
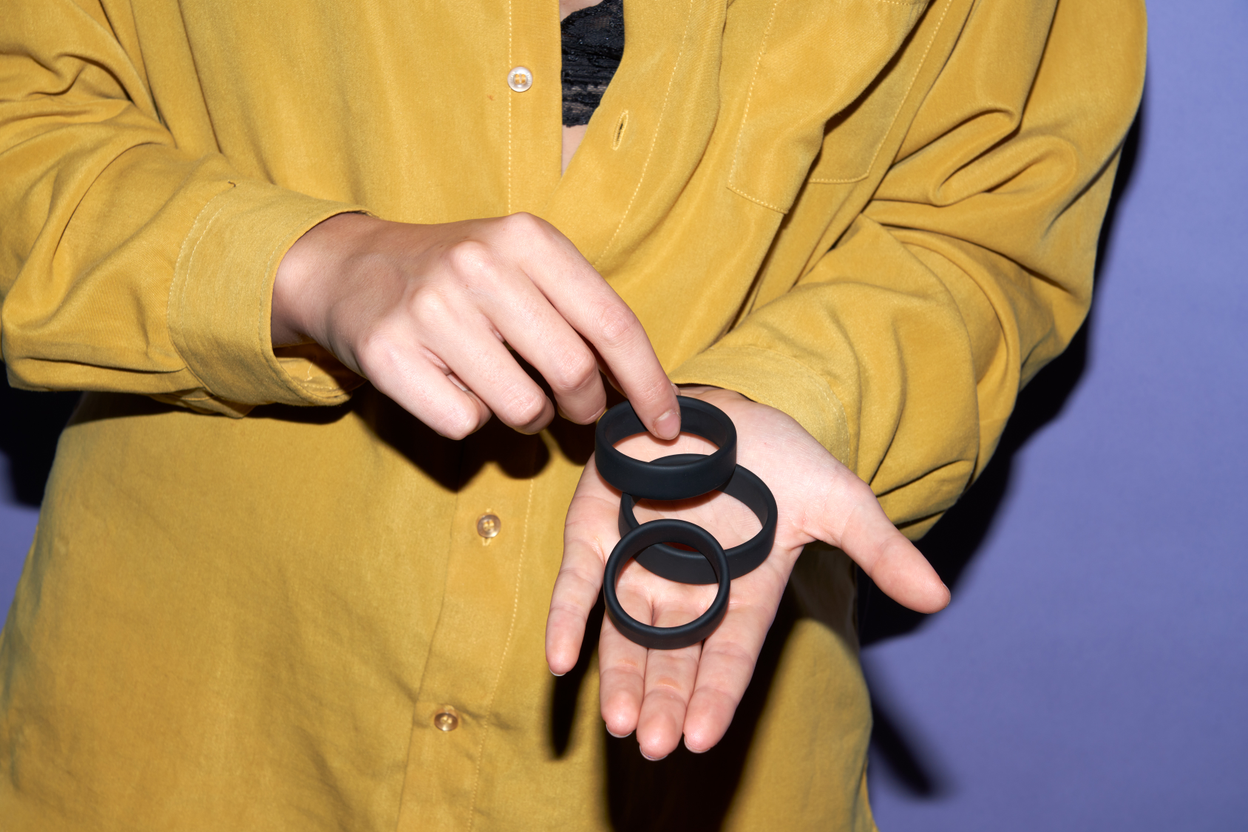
(694, 691)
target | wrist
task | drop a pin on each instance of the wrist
(301, 275)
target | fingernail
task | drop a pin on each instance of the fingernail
(667, 426)
(617, 736)
(653, 759)
(553, 673)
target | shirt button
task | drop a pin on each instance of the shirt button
(520, 78)
(488, 525)
(446, 720)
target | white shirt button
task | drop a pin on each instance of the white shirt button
(520, 78)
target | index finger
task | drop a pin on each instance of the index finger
(624, 348)
(586, 301)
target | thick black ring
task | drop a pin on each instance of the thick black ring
(666, 531)
(691, 567)
(702, 474)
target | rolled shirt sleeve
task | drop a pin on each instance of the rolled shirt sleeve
(127, 262)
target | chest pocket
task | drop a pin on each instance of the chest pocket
(830, 76)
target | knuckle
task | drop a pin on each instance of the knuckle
(652, 395)
(457, 422)
(576, 369)
(616, 323)
(667, 686)
(377, 353)
(524, 224)
(526, 408)
(431, 309)
(471, 261)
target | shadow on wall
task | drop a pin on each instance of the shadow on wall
(956, 539)
(29, 426)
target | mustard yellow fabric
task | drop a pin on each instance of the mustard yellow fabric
(877, 215)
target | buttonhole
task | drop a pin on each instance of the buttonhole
(619, 130)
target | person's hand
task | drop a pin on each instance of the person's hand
(694, 692)
(427, 314)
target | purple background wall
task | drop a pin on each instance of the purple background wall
(1092, 670)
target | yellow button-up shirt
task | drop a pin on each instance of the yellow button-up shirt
(879, 216)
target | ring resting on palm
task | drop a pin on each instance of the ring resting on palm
(679, 477)
(691, 567)
(698, 475)
(639, 539)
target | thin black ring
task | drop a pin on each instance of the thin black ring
(705, 473)
(666, 531)
(691, 567)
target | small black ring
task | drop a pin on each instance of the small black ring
(666, 531)
(691, 567)
(701, 475)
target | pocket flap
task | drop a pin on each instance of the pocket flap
(816, 59)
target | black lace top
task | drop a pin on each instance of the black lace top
(593, 43)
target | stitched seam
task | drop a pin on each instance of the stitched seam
(190, 268)
(511, 629)
(510, 96)
(755, 199)
(923, 60)
(856, 178)
(684, 39)
(745, 115)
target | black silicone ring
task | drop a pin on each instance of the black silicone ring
(666, 531)
(691, 567)
(703, 474)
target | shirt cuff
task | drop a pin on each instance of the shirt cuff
(774, 379)
(222, 293)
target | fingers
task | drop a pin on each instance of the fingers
(728, 659)
(400, 303)
(426, 391)
(653, 686)
(591, 307)
(487, 369)
(607, 323)
(693, 692)
(648, 691)
(574, 595)
(538, 333)
(622, 674)
(588, 535)
(517, 279)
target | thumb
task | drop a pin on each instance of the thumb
(872, 541)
